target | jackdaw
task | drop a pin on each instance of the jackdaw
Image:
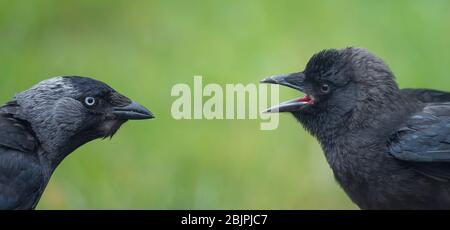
(45, 123)
(388, 148)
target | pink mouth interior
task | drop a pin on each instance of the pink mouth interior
(307, 99)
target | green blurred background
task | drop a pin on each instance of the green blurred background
(143, 48)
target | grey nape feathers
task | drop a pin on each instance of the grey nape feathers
(388, 148)
(45, 123)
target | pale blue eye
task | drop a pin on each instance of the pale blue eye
(89, 101)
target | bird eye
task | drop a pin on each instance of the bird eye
(89, 101)
(325, 88)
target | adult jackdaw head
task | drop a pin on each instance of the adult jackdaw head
(67, 112)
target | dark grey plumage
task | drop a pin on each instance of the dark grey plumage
(388, 148)
(45, 123)
(427, 95)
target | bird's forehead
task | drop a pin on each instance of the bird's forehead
(327, 64)
(74, 87)
(323, 64)
(322, 60)
(84, 86)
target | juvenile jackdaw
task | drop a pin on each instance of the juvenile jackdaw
(388, 148)
(45, 123)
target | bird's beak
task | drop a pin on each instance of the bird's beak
(295, 81)
(133, 111)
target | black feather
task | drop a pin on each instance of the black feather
(424, 140)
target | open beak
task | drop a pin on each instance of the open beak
(295, 81)
(133, 111)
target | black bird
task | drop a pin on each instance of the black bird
(45, 123)
(388, 148)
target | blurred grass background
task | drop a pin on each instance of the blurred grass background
(143, 48)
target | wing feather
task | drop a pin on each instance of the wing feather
(424, 141)
(14, 132)
(427, 95)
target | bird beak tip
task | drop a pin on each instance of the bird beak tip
(268, 80)
(269, 111)
(263, 80)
